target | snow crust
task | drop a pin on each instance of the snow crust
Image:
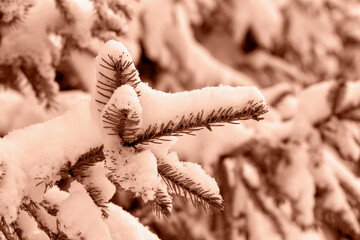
(191, 170)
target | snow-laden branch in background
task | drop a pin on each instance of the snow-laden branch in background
(318, 102)
(13, 12)
(168, 40)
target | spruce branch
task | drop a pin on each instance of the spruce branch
(336, 220)
(9, 17)
(113, 72)
(11, 77)
(266, 157)
(111, 16)
(31, 208)
(162, 202)
(79, 171)
(8, 230)
(123, 72)
(179, 184)
(45, 88)
(195, 122)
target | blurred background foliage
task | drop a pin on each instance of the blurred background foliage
(294, 175)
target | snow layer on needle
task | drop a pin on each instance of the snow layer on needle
(160, 107)
(28, 170)
(79, 216)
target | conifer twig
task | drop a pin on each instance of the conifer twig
(336, 220)
(196, 122)
(109, 16)
(181, 185)
(45, 89)
(123, 73)
(78, 170)
(11, 77)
